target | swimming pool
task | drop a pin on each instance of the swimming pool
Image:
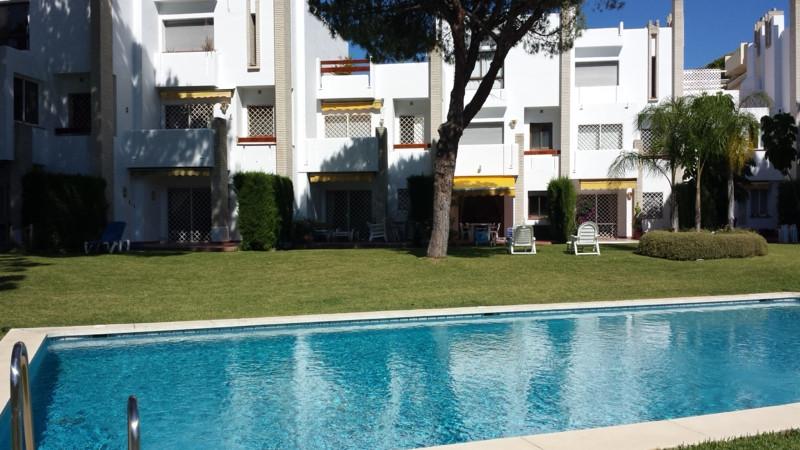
(412, 383)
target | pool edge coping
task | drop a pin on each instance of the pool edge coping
(674, 432)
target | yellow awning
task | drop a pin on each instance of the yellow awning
(352, 106)
(498, 185)
(607, 185)
(188, 95)
(345, 177)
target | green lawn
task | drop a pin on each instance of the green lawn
(152, 287)
(789, 440)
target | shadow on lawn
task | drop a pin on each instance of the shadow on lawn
(12, 269)
(456, 252)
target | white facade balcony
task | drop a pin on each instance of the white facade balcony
(187, 69)
(696, 81)
(594, 164)
(601, 95)
(167, 148)
(341, 155)
(345, 79)
(494, 159)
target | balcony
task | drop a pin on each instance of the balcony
(187, 69)
(166, 148)
(341, 155)
(601, 95)
(345, 79)
(497, 159)
(696, 81)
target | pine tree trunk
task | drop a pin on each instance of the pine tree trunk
(698, 217)
(444, 168)
(731, 202)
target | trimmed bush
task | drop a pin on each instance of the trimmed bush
(562, 198)
(690, 245)
(266, 208)
(420, 196)
(65, 210)
(284, 197)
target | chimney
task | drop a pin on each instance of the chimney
(677, 48)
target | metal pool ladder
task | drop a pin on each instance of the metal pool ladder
(133, 423)
(21, 412)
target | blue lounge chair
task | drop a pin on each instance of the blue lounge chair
(110, 240)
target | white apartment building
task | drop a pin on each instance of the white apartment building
(766, 65)
(168, 99)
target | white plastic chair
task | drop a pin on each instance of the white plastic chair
(522, 241)
(377, 231)
(586, 236)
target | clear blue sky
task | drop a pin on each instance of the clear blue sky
(713, 27)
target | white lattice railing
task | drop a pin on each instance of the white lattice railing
(704, 80)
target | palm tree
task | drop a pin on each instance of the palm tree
(719, 131)
(741, 138)
(667, 123)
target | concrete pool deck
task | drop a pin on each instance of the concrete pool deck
(645, 435)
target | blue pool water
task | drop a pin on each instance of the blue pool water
(383, 385)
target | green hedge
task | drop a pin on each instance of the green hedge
(266, 208)
(690, 245)
(562, 199)
(65, 210)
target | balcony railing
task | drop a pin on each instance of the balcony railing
(167, 148)
(345, 78)
(341, 155)
(497, 159)
(343, 66)
(699, 80)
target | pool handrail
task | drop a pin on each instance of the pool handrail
(133, 423)
(21, 411)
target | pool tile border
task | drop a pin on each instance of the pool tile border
(645, 435)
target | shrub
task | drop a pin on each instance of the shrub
(284, 196)
(266, 208)
(690, 245)
(789, 202)
(65, 210)
(562, 198)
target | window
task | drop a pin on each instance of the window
(260, 120)
(653, 78)
(412, 129)
(26, 101)
(192, 35)
(190, 115)
(80, 112)
(647, 138)
(768, 34)
(652, 205)
(253, 50)
(357, 125)
(483, 134)
(14, 30)
(482, 68)
(538, 205)
(604, 73)
(542, 135)
(600, 137)
(759, 202)
(403, 200)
